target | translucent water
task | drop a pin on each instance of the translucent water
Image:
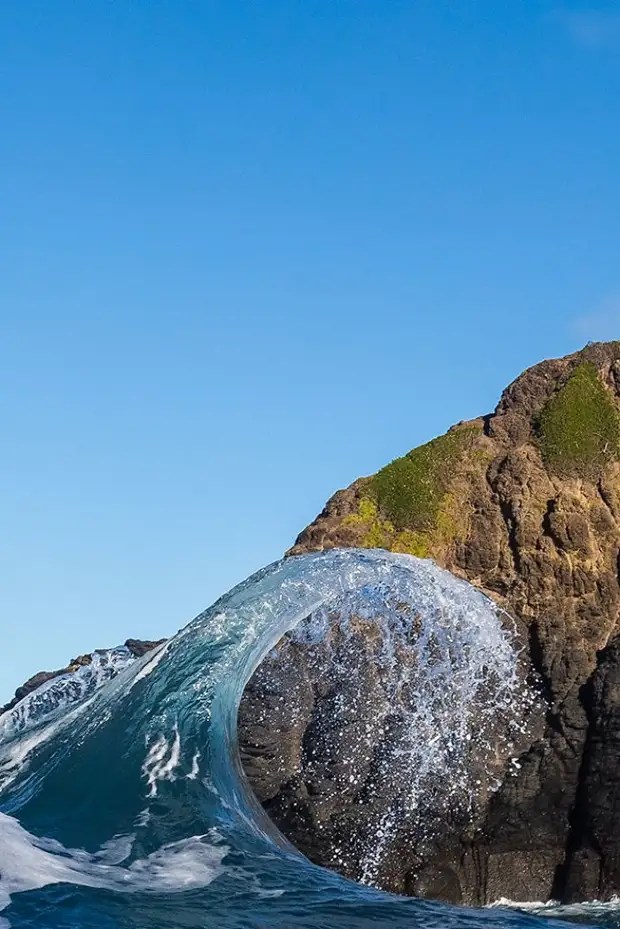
(122, 800)
(427, 695)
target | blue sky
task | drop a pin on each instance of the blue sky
(252, 250)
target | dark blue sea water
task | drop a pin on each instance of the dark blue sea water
(122, 800)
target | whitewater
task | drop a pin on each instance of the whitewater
(123, 803)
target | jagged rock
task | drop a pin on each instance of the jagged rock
(139, 647)
(593, 855)
(525, 504)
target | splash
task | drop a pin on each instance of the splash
(59, 694)
(423, 698)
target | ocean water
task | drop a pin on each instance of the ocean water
(123, 804)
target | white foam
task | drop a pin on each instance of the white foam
(161, 761)
(57, 704)
(193, 774)
(588, 909)
(29, 863)
(61, 693)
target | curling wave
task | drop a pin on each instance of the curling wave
(122, 800)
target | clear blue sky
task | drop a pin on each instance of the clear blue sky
(252, 249)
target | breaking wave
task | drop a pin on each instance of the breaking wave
(123, 804)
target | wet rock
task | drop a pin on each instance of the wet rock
(524, 503)
(140, 647)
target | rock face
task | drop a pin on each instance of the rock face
(525, 504)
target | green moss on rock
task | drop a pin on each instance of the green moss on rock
(380, 533)
(410, 490)
(579, 428)
(410, 542)
(377, 532)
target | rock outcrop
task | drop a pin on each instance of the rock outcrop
(525, 504)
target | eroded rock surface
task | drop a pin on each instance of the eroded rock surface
(525, 504)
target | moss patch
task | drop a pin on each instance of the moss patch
(380, 533)
(579, 428)
(410, 490)
(411, 542)
(377, 532)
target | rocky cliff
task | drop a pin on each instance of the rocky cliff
(525, 504)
